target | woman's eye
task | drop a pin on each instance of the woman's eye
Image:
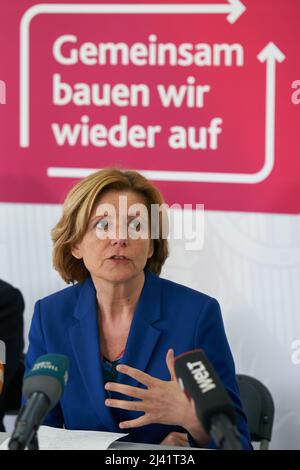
(102, 225)
(135, 225)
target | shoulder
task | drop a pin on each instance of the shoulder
(60, 299)
(58, 308)
(10, 295)
(63, 294)
(184, 294)
(191, 315)
(186, 301)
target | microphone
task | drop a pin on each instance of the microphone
(214, 408)
(43, 387)
(1, 376)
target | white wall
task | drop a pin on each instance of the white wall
(250, 263)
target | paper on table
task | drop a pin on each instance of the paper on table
(65, 439)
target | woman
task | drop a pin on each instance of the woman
(120, 324)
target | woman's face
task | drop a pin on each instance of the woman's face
(117, 244)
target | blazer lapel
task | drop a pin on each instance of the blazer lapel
(84, 336)
(143, 335)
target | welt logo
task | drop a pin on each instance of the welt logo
(2, 92)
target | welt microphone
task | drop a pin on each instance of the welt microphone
(43, 387)
(214, 408)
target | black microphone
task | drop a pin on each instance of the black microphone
(43, 386)
(214, 408)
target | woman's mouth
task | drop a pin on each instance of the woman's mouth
(119, 259)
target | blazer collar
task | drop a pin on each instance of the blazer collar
(84, 337)
(144, 334)
(142, 339)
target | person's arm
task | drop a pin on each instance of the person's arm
(37, 347)
(160, 398)
(11, 333)
(11, 329)
(211, 337)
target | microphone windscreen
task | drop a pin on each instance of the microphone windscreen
(48, 375)
(199, 380)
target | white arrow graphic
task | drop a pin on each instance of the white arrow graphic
(238, 8)
(233, 8)
(270, 54)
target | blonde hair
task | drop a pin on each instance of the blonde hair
(78, 207)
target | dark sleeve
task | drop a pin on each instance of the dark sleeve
(37, 347)
(211, 337)
(11, 329)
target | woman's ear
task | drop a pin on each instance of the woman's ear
(76, 252)
(151, 249)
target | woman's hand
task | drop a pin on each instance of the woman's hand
(178, 439)
(163, 402)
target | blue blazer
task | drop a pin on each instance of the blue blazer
(167, 315)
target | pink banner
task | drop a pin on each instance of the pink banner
(203, 98)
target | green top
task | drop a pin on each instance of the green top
(110, 373)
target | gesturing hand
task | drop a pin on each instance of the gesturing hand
(162, 402)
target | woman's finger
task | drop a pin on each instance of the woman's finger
(136, 374)
(170, 363)
(125, 404)
(135, 423)
(176, 439)
(134, 392)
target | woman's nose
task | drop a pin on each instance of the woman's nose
(119, 241)
(121, 235)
